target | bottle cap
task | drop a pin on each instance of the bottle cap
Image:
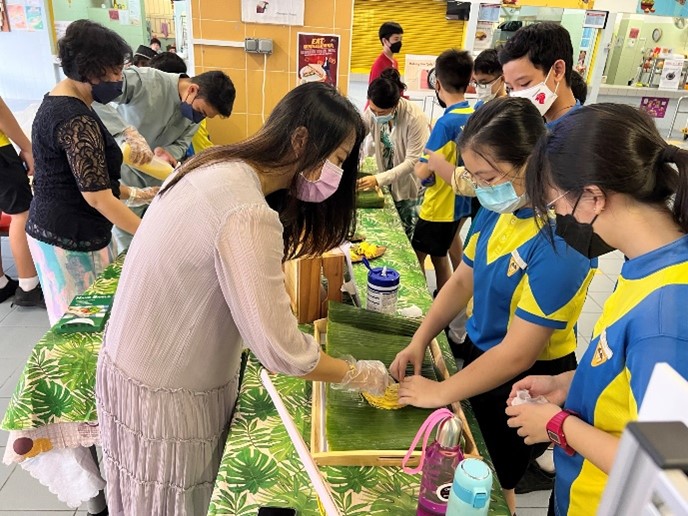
(383, 277)
(449, 432)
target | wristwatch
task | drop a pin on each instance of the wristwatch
(555, 430)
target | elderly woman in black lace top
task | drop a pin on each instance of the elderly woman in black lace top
(76, 180)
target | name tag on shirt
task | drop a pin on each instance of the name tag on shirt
(516, 263)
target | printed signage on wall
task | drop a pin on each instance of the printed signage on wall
(483, 36)
(489, 13)
(416, 70)
(671, 74)
(318, 58)
(17, 16)
(675, 8)
(595, 19)
(656, 107)
(279, 12)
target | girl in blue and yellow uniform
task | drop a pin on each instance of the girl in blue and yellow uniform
(527, 295)
(609, 177)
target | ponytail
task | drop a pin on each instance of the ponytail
(386, 90)
(679, 157)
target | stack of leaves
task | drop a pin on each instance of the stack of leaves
(351, 422)
(370, 199)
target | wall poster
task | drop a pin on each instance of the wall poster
(671, 74)
(416, 70)
(17, 16)
(318, 58)
(656, 107)
(279, 12)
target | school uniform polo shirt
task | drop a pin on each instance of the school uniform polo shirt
(643, 323)
(551, 125)
(518, 272)
(440, 203)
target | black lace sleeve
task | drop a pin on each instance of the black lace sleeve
(83, 142)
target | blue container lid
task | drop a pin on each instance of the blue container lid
(390, 279)
(473, 483)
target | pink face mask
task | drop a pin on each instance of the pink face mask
(322, 188)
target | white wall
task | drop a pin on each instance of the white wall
(617, 6)
(26, 64)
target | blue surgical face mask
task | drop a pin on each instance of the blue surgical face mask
(190, 113)
(383, 119)
(501, 198)
(106, 91)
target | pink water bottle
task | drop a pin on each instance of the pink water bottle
(438, 462)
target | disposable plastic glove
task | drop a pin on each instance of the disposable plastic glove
(141, 196)
(141, 152)
(365, 375)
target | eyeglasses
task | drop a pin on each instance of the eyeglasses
(550, 205)
(477, 182)
(477, 84)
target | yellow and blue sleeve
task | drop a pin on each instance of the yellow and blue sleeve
(439, 137)
(555, 308)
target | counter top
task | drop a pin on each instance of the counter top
(634, 91)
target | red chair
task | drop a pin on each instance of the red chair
(4, 224)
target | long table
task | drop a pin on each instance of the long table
(260, 466)
(53, 407)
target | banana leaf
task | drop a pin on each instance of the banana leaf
(369, 199)
(351, 423)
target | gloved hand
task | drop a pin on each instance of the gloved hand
(141, 152)
(141, 196)
(365, 375)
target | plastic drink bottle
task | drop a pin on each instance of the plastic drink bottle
(470, 491)
(437, 461)
(441, 459)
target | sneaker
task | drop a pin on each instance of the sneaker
(8, 290)
(33, 297)
(535, 479)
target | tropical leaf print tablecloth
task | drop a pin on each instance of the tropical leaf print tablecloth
(260, 466)
(53, 405)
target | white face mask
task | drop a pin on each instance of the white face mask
(484, 91)
(540, 95)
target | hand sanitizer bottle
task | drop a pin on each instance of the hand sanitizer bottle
(441, 459)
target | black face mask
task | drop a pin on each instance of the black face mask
(106, 91)
(395, 47)
(581, 236)
(441, 102)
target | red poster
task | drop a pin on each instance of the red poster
(318, 57)
(656, 107)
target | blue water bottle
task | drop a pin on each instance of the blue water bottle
(470, 493)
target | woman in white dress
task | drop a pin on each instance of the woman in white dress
(204, 276)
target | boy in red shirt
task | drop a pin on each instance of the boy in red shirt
(390, 34)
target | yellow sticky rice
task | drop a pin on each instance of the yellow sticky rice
(388, 401)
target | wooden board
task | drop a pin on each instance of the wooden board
(303, 280)
(325, 457)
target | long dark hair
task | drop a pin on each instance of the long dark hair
(385, 91)
(505, 129)
(615, 147)
(329, 118)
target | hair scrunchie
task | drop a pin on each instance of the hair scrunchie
(669, 154)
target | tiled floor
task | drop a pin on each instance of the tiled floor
(21, 328)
